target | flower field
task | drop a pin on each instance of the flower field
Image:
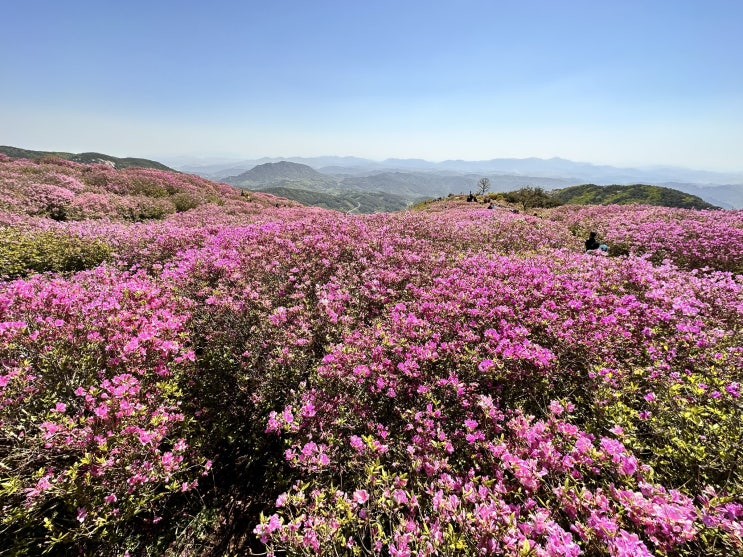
(188, 370)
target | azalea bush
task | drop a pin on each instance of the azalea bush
(245, 375)
(511, 408)
(64, 190)
(691, 239)
(94, 441)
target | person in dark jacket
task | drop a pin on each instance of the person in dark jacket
(592, 243)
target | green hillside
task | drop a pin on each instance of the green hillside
(591, 194)
(348, 201)
(85, 158)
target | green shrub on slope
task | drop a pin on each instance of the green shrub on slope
(24, 253)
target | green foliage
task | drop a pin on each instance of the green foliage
(142, 208)
(531, 198)
(591, 194)
(690, 432)
(425, 204)
(24, 253)
(184, 202)
(348, 201)
(147, 187)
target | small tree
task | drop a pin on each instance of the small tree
(483, 185)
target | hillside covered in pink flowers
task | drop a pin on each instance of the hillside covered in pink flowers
(188, 369)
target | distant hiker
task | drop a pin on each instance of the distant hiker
(592, 243)
(471, 198)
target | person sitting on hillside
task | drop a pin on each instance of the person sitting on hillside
(592, 243)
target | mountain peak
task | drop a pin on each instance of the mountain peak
(273, 171)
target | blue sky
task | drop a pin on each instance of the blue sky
(607, 81)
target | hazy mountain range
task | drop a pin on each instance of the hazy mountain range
(554, 168)
(361, 191)
(363, 185)
(416, 178)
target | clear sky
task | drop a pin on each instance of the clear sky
(620, 82)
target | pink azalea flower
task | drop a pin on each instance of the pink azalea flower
(361, 496)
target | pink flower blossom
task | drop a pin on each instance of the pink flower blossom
(361, 496)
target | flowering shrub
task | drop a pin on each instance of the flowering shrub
(691, 239)
(243, 374)
(63, 190)
(448, 399)
(92, 432)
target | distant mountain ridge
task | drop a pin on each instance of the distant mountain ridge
(85, 158)
(302, 183)
(398, 190)
(434, 179)
(411, 184)
(578, 172)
